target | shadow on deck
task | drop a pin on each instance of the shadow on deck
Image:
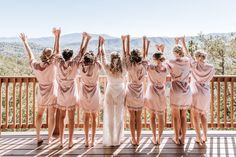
(220, 143)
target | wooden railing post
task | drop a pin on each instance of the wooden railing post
(34, 104)
(166, 119)
(218, 102)
(232, 103)
(27, 102)
(7, 102)
(212, 103)
(14, 102)
(0, 105)
(20, 104)
(9, 118)
(78, 110)
(225, 102)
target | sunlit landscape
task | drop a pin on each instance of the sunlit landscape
(205, 25)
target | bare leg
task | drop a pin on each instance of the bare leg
(196, 124)
(71, 115)
(139, 125)
(153, 126)
(132, 126)
(175, 120)
(51, 122)
(183, 125)
(204, 127)
(86, 128)
(62, 126)
(94, 126)
(39, 124)
(56, 129)
(160, 127)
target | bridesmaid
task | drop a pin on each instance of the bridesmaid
(113, 122)
(155, 99)
(180, 92)
(45, 72)
(134, 99)
(67, 67)
(202, 73)
(89, 69)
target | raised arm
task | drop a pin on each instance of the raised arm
(176, 40)
(101, 46)
(123, 38)
(160, 47)
(146, 44)
(126, 51)
(81, 50)
(54, 32)
(83, 46)
(57, 34)
(102, 51)
(26, 45)
(184, 45)
(147, 47)
(128, 45)
(157, 47)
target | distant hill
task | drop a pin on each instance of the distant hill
(48, 41)
(14, 61)
(12, 45)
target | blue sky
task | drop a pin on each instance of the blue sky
(116, 17)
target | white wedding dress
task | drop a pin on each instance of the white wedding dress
(113, 116)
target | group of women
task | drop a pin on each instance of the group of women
(57, 74)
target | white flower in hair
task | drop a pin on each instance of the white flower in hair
(89, 55)
(199, 53)
(178, 48)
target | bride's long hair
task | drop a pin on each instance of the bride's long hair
(115, 67)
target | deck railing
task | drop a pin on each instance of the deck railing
(18, 104)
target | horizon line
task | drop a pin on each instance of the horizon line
(114, 36)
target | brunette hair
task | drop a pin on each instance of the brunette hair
(67, 54)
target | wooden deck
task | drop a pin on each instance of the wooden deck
(220, 143)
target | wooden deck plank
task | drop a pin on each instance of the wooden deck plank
(219, 144)
(110, 152)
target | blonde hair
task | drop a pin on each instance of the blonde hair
(118, 66)
(200, 53)
(179, 50)
(46, 55)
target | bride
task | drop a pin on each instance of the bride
(113, 126)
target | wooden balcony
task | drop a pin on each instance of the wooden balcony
(18, 109)
(220, 143)
(18, 103)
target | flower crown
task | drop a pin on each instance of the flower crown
(89, 55)
(115, 55)
(199, 53)
(178, 48)
(46, 55)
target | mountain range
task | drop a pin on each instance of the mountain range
(12, 45)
